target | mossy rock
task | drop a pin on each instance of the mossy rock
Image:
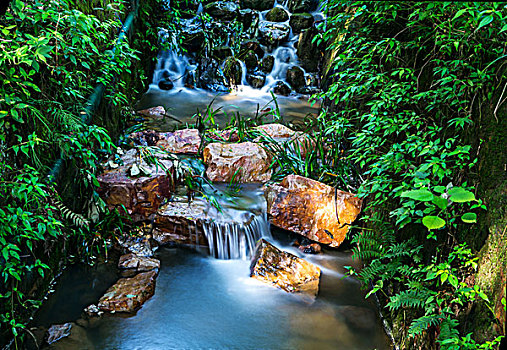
(260, 5)
(300, 21)
(277, 14)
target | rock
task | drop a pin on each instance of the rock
(281, 88)
(165, 84)
(138, 245)
(181, 222)
(138, 263)
(261, 5)
(233, 71)
(192, 34)
(308, 52)
(300, 21)
(225, 10)
(251, 60)
(210, 76)
(246, 17)
(68, 336)
(185, 141)
(256, 81)
(222, 52)
(277, 14)
(313, 248)
(129, 294)
(140, 196)
(302, 5)
(153, 112)
(296, 78)
(223, 135)
(93, 311)
(285, 136)
(267, 64)
(284, 270)
(253, 45)
(237, 162)
(273, 33)
(310, 208)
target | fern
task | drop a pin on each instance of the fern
(411, 298)
(421, 324)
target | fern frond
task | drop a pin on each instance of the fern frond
(410, 298)
(421, 324)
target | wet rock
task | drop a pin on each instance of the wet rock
(251, 60)
(284, 135)
(267, 64)
(185, 141)
(296, 78)
(313, 248)
(210, 76)
(225, 10)
(140, 195)
(277, 14)
(256, 81)
(233, 71)
(312, 209)
(253, 45)
(192, 34)
(308, 52)
(272, 33)
(180, 222)
(138, 245)
(239, 162)
(222, 52)
(310, 90)
(261, 5)
(93, 311)
(138, 263)
(68, 336)
(153, 112)
(302, 5)
(246, 17)
(165, 84)
(281, 88)
(284, 270)
(129, 294)
(300, 21)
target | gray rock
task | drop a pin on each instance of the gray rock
(225, 10)
(232, 71)
(308, 52)
(254, 45)
(302, 5)
(273, 33)
(281, 88)
(256, 80)
(261, 5)
(296, 78)
(251, 60)
(267, 64)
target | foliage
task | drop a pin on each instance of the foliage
(52, 55)
(408, 81)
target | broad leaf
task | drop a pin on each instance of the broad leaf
(433, 222)
(460, 195)
(422, 195)
(469, 218)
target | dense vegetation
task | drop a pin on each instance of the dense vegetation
(407, 84)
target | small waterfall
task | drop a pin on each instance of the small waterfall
(233, 240)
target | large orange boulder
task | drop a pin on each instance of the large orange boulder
(129, 294)
(136, 186)
(238, 162)
(312, 209)
(284, 270)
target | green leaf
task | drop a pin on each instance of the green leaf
(433, 222)
(459, 13)
(469, 218)
(422, 195)
(460, 195)
(485, 21)
(440, 202)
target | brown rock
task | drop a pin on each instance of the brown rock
(141, 196)
(282, 134)
(240, 162)
(153, 112)
(224, 135)
(313, 248)
(128, 294)
(180, 222)
(310, 208)
(68, 336)
(180, 141)
(138, 263)
(284, 270)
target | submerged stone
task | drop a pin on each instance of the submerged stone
(284, 270)
(237, 162)
(166, 84)
(129, 294)
(312, 209)
(68, 336)
(153, 112)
